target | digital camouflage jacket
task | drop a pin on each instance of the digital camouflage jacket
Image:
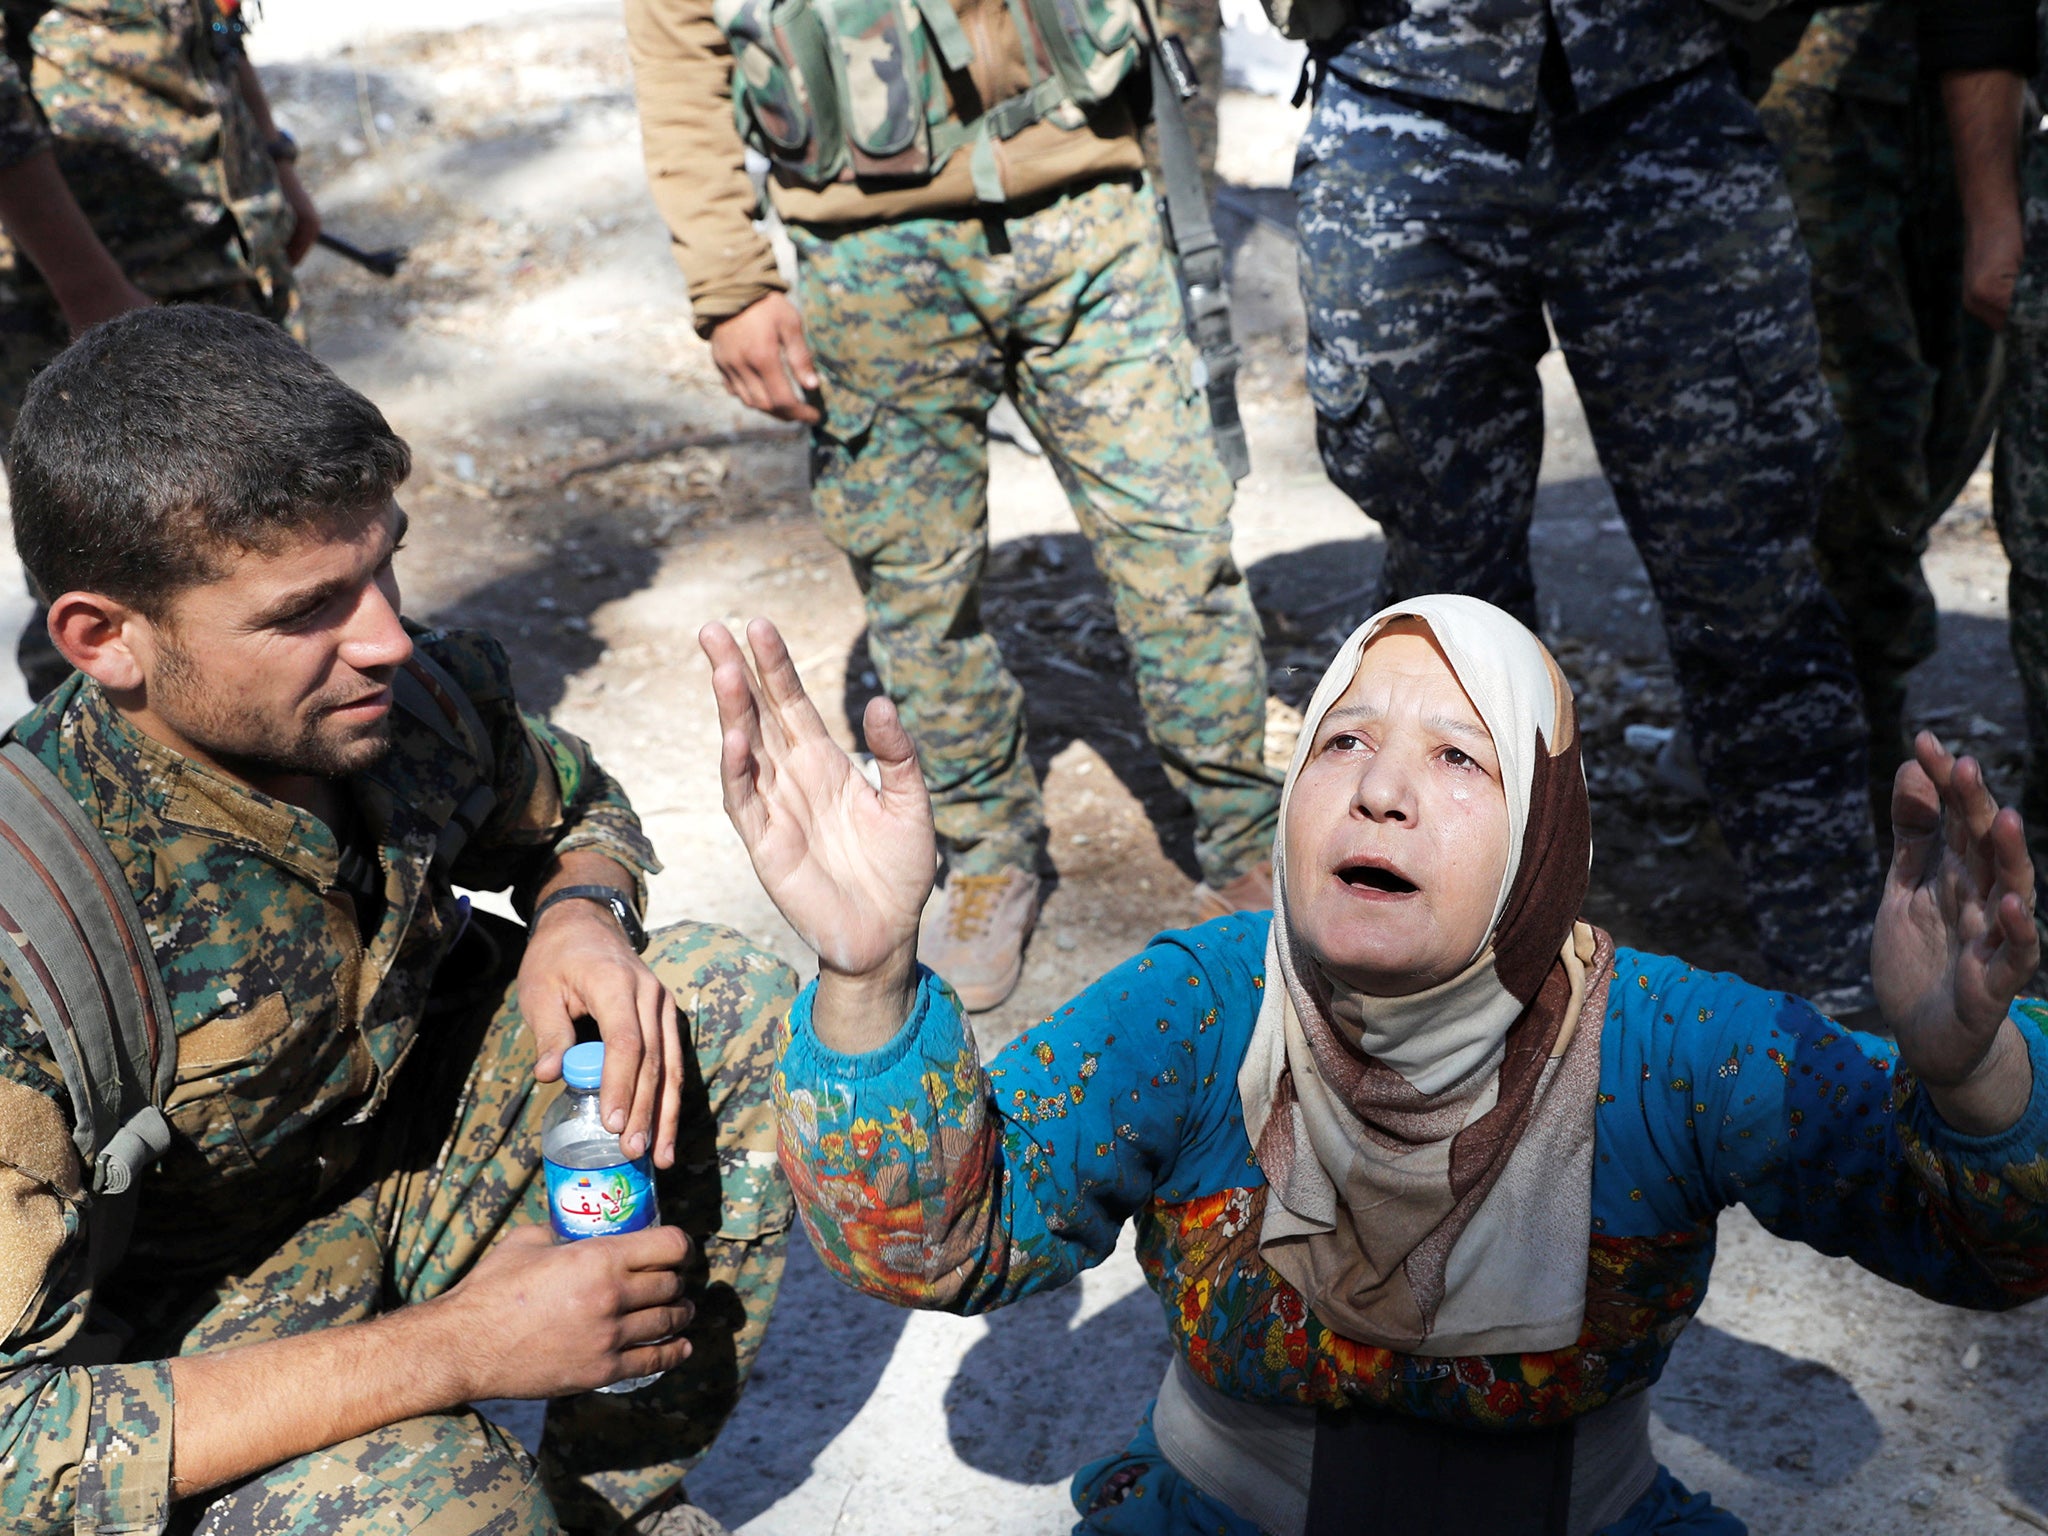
(1488, 53)
(138, 100)
(291, 1027)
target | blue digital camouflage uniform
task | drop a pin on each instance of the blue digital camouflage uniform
(356, 1120)
(1867, 157)
(918, 325)
(2019, 486)
(139, 104)
(1465, 169)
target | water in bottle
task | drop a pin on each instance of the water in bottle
(594, 1189)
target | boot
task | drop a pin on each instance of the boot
(973, 934)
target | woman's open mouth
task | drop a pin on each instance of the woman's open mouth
(1374, 877)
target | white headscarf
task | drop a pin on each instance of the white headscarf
(1429, 1157)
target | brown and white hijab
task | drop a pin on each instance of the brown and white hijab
(1430, 1157)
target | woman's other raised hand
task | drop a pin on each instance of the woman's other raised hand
(1955, 939)
(848, 864)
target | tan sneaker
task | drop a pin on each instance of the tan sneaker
(1251, 891)
(974, 933)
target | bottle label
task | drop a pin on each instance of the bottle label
(599, 1202)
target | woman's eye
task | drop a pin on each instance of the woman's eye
(1458, 759)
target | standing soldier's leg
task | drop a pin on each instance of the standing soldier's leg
(32, 331)
(1424, 330)
(1680, 291)
(1106, 381)
(1849, 164)
(899, 477)
(2019, 498)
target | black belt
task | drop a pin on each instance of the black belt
(1383, 1474)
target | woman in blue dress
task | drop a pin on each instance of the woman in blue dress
(1424, 1167)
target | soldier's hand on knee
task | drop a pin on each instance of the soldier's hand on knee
(540, 1319)
(761, 354)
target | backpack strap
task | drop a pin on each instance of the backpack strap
(72, 940)
(424, 689)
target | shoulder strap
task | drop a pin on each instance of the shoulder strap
(72, 939)
(424, 689)
(1195, 244)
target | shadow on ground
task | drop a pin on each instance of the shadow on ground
(1010, 1408)
(1719, 1390)
(2026, 1464)
(826, 1348)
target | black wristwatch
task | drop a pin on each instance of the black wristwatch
(607, 896)
(284, 149)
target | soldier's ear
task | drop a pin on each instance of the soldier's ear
(102, 637)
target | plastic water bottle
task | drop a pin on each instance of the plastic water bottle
(594, 1189)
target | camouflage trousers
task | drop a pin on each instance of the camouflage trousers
(1657, 232)
(2019, 498)
(456, 1164)
(1874, 187)
(33, 331)
(1069, 306)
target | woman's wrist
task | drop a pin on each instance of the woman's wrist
(1993, 1097)
(854, 1013)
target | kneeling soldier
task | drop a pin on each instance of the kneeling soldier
(345, 1243)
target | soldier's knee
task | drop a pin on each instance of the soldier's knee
(379, 1484)
(735, 995)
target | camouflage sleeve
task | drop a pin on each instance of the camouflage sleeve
(22, 129)
(83, 1447)
(553, 797)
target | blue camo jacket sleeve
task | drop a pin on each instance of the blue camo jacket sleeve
(931, 1181)
(81, 1447)
(553, 797)
(1716, 1093)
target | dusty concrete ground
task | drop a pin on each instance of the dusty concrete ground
(539, 329)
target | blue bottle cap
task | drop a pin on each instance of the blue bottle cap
(583, 1065)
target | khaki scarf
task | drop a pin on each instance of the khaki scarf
(1429, 1157)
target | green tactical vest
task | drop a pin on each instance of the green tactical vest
(835, 90)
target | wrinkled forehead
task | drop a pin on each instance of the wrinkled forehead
(1405, 656)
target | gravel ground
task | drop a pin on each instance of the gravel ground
(538, 330)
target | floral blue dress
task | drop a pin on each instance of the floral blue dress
(931, 1181)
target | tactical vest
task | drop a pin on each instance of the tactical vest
(836, 90)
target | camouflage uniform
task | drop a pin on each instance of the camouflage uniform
(1868, 161)
(917, 326)
(140, 106)
(1450, 189)
(324, 1168)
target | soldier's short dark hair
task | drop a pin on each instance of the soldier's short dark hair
(164, 441)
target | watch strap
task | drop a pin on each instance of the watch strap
(607, 896)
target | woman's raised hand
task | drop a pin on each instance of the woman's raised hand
(849, 865)
(1955, 939)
